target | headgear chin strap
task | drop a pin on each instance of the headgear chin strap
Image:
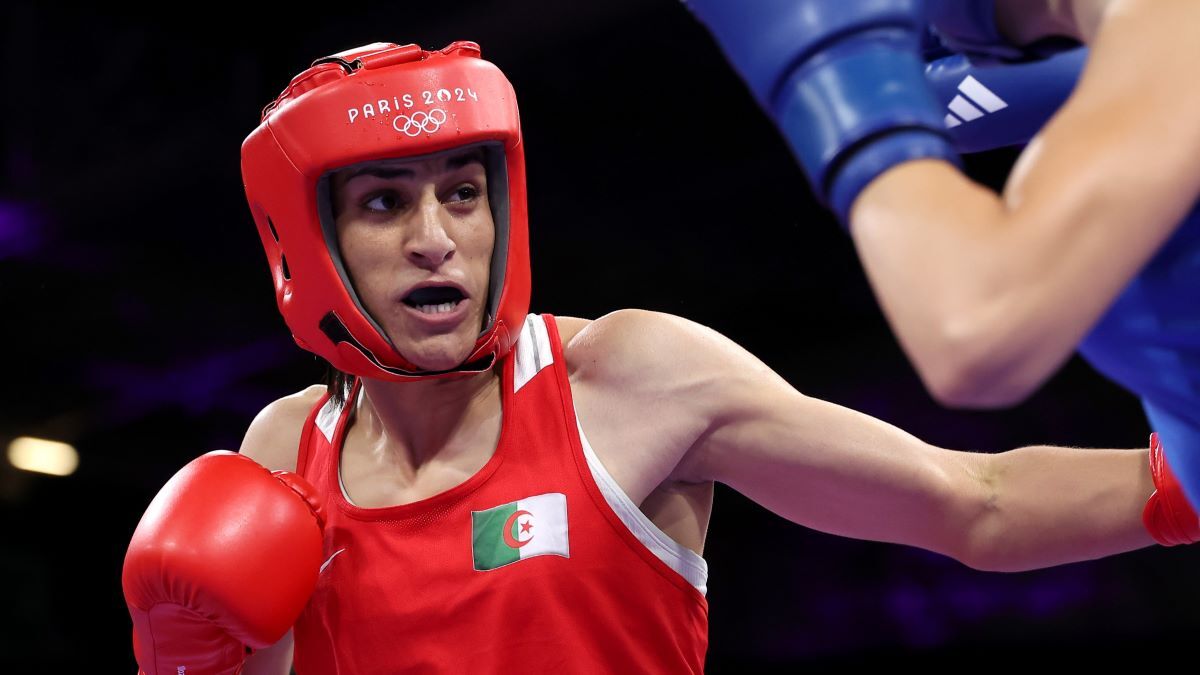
(382, 101)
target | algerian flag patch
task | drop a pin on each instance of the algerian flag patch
(522, 529)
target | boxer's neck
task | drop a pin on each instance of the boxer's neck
(420, 421)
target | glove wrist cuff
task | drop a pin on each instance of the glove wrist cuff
(1168, 516)
(850, 115)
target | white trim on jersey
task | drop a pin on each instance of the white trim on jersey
(327, 419)
(532, 351)
(678, 557)
(533, 354)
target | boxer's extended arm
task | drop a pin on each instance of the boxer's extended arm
(842, 472)
(988, 294)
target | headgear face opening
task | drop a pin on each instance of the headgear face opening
(382, 102)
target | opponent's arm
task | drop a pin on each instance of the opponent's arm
(990, 294)
(842, 472)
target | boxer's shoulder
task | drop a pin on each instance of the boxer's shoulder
(274, 436)
(632, 350)
(569, 327)
(610, 346)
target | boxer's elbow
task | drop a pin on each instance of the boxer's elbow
(989, 556)
(973, 521)
(989, 540)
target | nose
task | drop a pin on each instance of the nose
(428, 244)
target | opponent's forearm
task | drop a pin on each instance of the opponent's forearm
(990, 293)
(1048, 506)
(984, 300)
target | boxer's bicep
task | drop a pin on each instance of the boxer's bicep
(812, 462)
(726, 416)
(839, 471)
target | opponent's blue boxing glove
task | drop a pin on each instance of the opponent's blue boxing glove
(844, 80)
(992, 105)
(969, 27)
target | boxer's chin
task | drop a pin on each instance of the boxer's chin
(437, 342)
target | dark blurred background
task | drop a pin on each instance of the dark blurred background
(140, 324)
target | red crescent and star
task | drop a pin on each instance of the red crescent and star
(509, 539)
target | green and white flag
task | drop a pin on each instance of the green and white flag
(522, 529)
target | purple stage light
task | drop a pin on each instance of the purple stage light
(20, 235)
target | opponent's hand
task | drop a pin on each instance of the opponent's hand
(225, 558)
(844, 81)
(991, 105)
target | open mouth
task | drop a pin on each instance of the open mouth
(434, 299)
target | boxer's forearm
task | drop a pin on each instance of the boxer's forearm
(1050, 506)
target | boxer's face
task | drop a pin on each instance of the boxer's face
(416, 237)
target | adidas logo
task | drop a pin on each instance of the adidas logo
(967, 103)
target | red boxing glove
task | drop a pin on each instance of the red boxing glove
(225, 557)
(1168, 516)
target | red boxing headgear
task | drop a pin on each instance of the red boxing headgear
(382, 101)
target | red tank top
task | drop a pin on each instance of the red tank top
(537, 563)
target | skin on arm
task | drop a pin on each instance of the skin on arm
(839, 471)
(989, 294)
(273, 440)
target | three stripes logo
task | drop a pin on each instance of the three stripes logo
(972, 101)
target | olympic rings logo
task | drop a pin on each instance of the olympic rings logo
(419, 122)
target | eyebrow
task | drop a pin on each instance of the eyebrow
(385, 172)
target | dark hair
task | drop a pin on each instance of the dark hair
(338, 384)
